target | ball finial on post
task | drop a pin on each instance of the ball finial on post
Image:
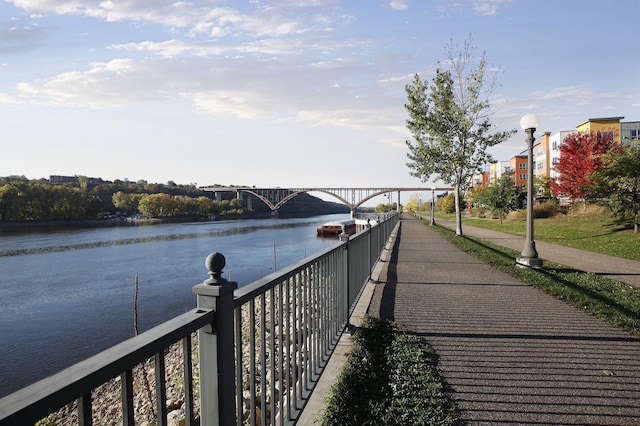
(215, 263)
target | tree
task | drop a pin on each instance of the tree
(502, 197)
(128, 203)
(413, 204)
(446, 204)
(542, 188)
(451, 123)
(618, 180)
(579, 157)
(9, 199)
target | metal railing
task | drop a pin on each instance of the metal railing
(261, 347)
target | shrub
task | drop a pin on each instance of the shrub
(389, 379)
(544, 210)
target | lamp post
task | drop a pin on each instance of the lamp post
(433, 206)
(529, 256)
(420, 207)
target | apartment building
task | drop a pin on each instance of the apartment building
(519, 168)
(547, 148)
(546, 151)
(551, 154)
(602, 125)
(630, 132)
(497, 169)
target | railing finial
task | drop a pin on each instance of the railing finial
(215, 263)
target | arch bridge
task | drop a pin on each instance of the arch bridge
(353, 198)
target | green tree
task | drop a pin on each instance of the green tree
(618, 180)
(127, 203)
(502, 197)
(474, 196)
(542, 186)
(9, 202)
(451, 123)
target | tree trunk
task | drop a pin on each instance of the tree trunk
(458, 212)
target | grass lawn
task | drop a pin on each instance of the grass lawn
(593, 231)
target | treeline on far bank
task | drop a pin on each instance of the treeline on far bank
(25, 200)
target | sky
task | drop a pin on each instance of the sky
(287, 93)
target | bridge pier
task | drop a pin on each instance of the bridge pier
(275, 214)
(240, 195)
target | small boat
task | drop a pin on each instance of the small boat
(337, 227)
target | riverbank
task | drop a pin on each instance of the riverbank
(10, 227)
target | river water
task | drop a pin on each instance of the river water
(68, 294)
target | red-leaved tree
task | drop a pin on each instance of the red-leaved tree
(579, 157)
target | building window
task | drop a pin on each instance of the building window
(539, 165)
(523, 176)
(554, 145)
(523, 166)
(554, 160)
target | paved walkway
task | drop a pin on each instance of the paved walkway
(509, 353)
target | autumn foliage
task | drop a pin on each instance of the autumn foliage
(579, 157)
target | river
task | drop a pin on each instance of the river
(68, 294)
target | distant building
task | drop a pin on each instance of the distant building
(541, 156)
(480, 179)
(546, 152)
(497, 169)
(90, 181)
(555, 140)
(519, 169)
(605, 125)
(630, 132)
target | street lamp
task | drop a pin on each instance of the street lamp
(433, 206)
(420, 207)
(529, 256)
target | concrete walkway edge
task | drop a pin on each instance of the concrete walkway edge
(314, 407)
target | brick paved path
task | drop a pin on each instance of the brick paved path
(509, 353)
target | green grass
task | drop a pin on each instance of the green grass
(389, 379)
(615, 302)
(596, 232)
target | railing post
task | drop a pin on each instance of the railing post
(369, 266)
(344, 237)
(215, 347)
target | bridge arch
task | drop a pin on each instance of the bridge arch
(274, 198)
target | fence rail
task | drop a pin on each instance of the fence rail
(261, 347)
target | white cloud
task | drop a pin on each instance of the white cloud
(489, 7)
(105, 85)
(398, 5)
(242, 104)
(480, 7)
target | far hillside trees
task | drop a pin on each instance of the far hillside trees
(579, 158)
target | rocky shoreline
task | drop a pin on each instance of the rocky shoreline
(106, 399)
(106, 403)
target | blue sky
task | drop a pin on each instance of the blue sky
(287, 93)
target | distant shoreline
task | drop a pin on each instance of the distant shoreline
(104, 223)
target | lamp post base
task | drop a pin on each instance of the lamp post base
(529, 262)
